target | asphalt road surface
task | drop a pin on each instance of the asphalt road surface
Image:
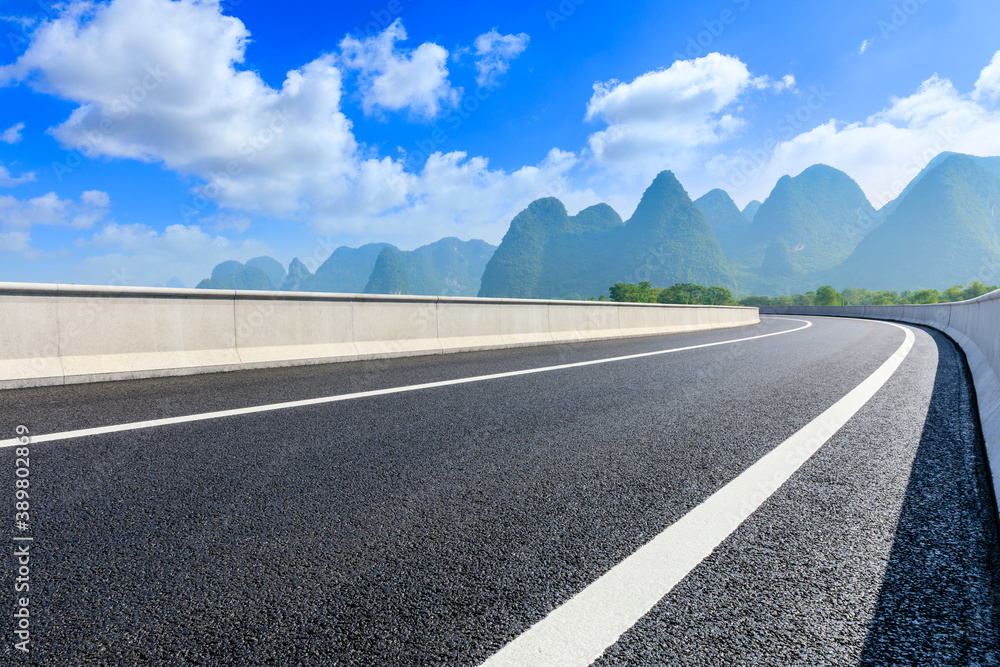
(437, 525)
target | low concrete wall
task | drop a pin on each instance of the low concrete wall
(973, 324)
(60, 334)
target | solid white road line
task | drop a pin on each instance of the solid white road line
(581, 629)
(100, 430)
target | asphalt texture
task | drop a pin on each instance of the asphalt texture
(432, 527)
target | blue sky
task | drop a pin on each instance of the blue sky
(146, 139)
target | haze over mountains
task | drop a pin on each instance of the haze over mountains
(814, 228)
(449, 267)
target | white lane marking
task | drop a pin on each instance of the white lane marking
(579, 631)
(100, 430)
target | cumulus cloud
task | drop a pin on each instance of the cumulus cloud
(394, 79)
(494, 52)
(18, 216)
(8, 181)
(481, 201)
(988, 84)
(161, 81)
(661, 117)
(12, 134)
(882, 152)
(139, 254)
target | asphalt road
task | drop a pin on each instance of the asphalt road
(432, 527)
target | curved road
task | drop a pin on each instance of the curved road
(439, 524)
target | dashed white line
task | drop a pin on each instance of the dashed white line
(152, 423)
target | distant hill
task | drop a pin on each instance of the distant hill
(813, 229)
(233, 277)
(346, 270)
(728, 223)
(389, 276)
(820, 214)
(272, 268)
(750, 210)
(548, 254)
(449, 267)
(298, 273)
(944, 231)
(259, 273)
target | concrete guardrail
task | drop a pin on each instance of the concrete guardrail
(62, 334)
(974, 325)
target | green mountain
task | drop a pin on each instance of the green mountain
(821, 214)
(298, 273)
(727, 221)
(449, 267)
(777, 260)
(548, 254)
(389, 276)
(518, 264)
(234, 275)
(346, 270)
(944, 231)
(750, 210)
(586, 235)
(272, 268)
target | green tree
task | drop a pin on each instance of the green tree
(975, 289)
(719, 296)
(756, 301)
(623, 292)
(807, 299)
(827, 296)
(683, 293)
(926, 296)
(952, 294)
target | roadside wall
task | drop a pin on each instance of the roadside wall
(62, 334)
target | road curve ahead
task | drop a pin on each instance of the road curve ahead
(805, 491)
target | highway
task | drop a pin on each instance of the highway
(595, 503)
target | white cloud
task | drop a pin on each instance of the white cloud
(140, 255)
(786, 82)
(479, 201)
(661, 117)
(884, 151)
(988, 84)
(394, 79)
(493, 55)
(159, 81)
(864, 45)
(8, 181)
(18, 216)
(12, 134)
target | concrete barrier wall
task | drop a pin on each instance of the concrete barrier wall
(59, 334)
(974, 325)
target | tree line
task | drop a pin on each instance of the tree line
(692, 294)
